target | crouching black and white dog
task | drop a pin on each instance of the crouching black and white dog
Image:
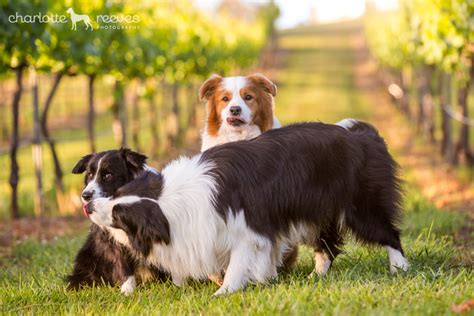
(235, 206)
(103, 258)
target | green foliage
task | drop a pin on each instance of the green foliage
(20, 42)
(427, 32)
(172, 40)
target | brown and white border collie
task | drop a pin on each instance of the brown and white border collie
(238, 108)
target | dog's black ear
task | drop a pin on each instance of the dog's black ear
(209, 87)
(144, 223)
(134, 160)
(81, 166)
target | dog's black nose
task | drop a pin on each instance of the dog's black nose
(235, 110)
(87, 195)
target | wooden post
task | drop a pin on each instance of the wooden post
(91, 114)
(136, 116)
(37, 151)
(447, 146)
(120, 114)
(153, 116)
(58, 173)
(405, 101)
(462, 146)
(14, 169)
(176, 114)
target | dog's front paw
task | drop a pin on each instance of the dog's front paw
(128, 286)
(221, 291)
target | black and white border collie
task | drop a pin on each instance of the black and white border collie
(103, 257)
(233, 206)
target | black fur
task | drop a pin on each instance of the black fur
(122, 164)
(101, 259)
(312, 173)
(144, 223)
(147, 185)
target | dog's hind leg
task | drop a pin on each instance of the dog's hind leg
(376, 229)
(250, 260)
(326, 250)
(397, 260)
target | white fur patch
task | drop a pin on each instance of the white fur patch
(129, 285)
(187, 203)
(93, 186)
(397, 260)
(249, 255)
(322, 264)
(226, 136)
(118, 235)
(276, 122)
(234, 85)
(102, 214)
(347, 123)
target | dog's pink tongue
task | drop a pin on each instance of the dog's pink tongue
(84, 209)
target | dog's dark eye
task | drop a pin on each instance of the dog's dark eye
(248, 97)
(90, 176)
(108, 176)
(225, 99)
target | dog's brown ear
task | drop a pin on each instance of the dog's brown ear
(81, 165)
(264, 82)
(135, 160)
(209, 87)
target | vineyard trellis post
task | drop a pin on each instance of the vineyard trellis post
(91, 112)
(58, 173)
(36, 149)
(14, 168)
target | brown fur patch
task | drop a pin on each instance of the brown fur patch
(214, 107)
(261, 89)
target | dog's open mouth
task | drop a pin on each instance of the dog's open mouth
(235, 121)
(85, 209)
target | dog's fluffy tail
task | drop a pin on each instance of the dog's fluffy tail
(359, 127)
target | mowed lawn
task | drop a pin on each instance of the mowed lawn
(315, 83)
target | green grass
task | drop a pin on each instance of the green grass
(316, 82)
(358, 283)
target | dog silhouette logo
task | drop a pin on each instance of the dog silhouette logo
(78, 18)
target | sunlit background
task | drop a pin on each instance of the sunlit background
(297, 12)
